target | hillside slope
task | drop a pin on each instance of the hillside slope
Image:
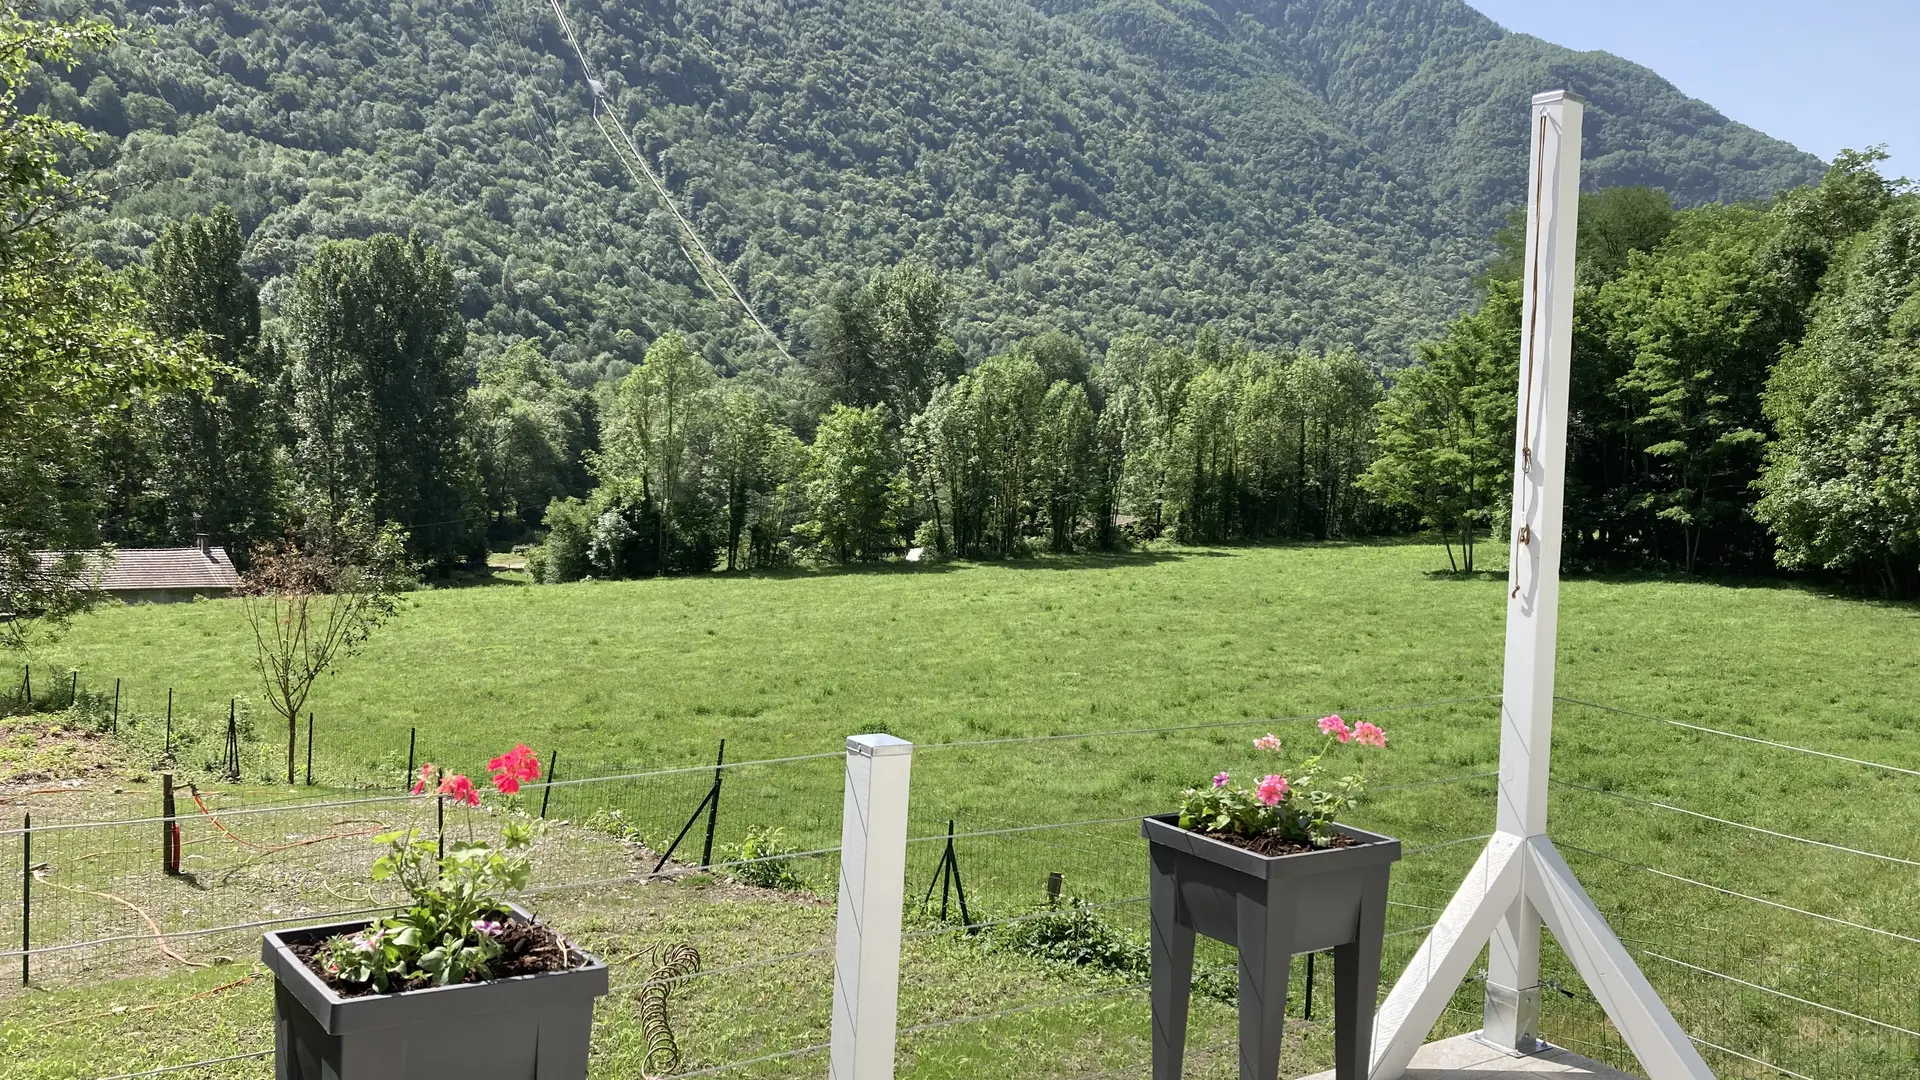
(1326, 172)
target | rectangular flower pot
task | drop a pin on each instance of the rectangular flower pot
(527, 1027)
(1270, 907)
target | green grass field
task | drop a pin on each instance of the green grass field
(645, 675)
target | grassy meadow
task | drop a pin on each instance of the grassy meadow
(1223, 642)
(645, 674)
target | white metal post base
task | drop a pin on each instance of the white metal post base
(1508, 870)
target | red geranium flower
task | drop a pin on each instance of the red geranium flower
(426, 777)
(460, 789)
(514, 767)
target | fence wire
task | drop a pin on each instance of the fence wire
(1758, 992)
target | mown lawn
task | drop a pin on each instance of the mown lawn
(642, 675)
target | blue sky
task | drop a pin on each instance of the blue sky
(1821, 74)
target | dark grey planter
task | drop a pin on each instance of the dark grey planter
(528, 1027)
(1270, 907)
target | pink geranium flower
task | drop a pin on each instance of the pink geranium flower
(426, 777)
(1367, 734)
(1220, 779)
(1336, 727)
(1267, 742)
(1272, 789)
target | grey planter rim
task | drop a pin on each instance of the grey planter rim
(338, 1014)
(1373, 848)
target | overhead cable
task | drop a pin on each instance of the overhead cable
(704, 264)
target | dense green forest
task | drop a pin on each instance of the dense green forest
(1320, 173)
(1743, 400)
(1742, 395)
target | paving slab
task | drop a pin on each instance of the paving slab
(1464, 1057)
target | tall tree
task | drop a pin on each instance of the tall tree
(746, 462)
(531, 432)
(1145, 385)
(379, 344)
(885, 342)
(1065, 467)
(75, 351)
(658, 443)
(217, 471)
(1444, 445)
(976, 450)
(1700, 322)
(1841, 489)
(856, 488)
(1337, 393)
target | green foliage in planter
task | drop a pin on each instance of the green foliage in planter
(451, 932)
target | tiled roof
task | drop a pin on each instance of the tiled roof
(132, 569)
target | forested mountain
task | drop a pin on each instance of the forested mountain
(1319, 172)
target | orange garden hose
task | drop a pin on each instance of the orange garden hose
(268, 849)
(156, 1006)
(160, 939)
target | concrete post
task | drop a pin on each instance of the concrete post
(873, 878)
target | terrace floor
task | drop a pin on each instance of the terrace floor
(1464, 1057)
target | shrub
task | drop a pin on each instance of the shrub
(1074, 935)
(615, 824)
(772, 869)
(569, 531)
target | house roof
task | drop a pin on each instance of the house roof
(136, 569)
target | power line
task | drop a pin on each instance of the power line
(706, 265)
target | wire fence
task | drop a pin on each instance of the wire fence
(1776, 922)
(87, 901)
(1781, 953)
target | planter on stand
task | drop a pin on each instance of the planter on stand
(525, 1027)
(1270, 907)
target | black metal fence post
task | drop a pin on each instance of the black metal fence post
(26, 899)
(166, 751)
(407, 783)
(547, 792)
(73, 689)
(947, 877)
(309, 749)
(1307, 1012)
(116, 706)
(959, 887)
(26, 683)
(440, 816)
(233, 742)
(713, 806)
(169, 829)
(946, 871)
